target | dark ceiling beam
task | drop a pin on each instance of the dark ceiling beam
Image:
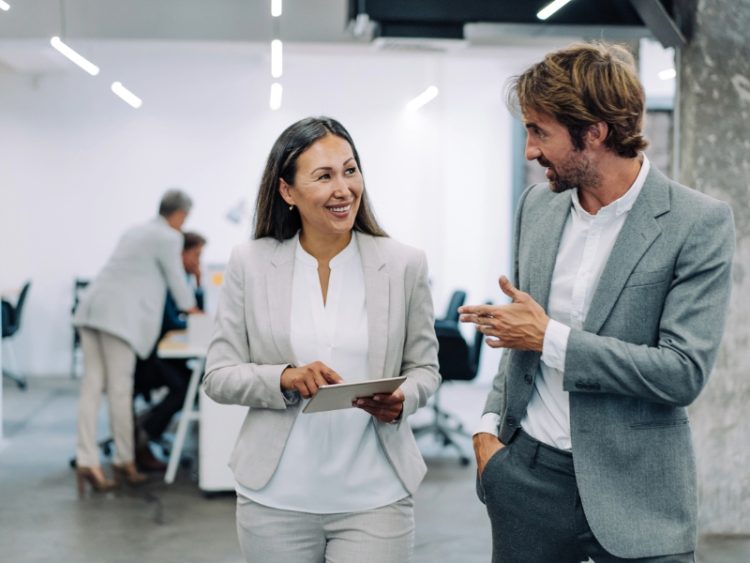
(655, 16)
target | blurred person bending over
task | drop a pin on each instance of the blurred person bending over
(119, 318)
(620, 288)
(320, 296)
(154, 372)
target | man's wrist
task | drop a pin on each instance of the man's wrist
(489, 424)
(540, 341)
(555, 345)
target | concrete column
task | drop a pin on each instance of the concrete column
(714, 153)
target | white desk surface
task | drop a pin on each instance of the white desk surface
(175, 345)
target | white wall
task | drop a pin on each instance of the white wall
(78, 166)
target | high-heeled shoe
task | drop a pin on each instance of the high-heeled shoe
(95, 477)
(128, 473)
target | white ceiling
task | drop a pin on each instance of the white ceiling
(185, 20)
(25, 29)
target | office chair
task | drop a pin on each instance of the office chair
(11, 324)
(458, 362)
(451, 313)
(79, 284)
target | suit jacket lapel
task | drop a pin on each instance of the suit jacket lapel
(279, 291)
(638, 233)
(377, 298)
(543, 247)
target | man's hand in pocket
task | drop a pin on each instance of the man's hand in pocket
(485, 446)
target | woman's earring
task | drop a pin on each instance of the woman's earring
(291, 208)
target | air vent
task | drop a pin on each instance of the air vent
(407, 45)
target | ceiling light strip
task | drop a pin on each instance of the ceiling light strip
(667, 74)
(276, 8)
(73, 56)
(4, 6)
(126, 95)
(276, 58)
(550, 9)
(276, 92)
(424, 98)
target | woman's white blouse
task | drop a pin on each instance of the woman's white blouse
(333, 461)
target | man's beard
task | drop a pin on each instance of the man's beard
(576, 171)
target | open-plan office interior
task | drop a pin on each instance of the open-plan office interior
(192, 95)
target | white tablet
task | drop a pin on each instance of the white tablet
(341, 395)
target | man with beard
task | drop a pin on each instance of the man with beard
(620, 289)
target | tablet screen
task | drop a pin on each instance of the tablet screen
(341, 395)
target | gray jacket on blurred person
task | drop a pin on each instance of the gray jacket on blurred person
(127, 297)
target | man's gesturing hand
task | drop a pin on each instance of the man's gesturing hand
(520, 325)
(307, 379)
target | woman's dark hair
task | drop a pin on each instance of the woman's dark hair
(273, 218)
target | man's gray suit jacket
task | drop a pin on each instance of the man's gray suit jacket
(645, 352)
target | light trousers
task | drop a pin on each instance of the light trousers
(381, 535)
(108, 364)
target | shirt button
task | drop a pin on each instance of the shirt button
(264, 404)
(528, 379)
(510, 420)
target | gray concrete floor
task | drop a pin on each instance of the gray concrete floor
(42, 519)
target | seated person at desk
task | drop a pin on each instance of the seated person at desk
(155, 372)
(322, 294)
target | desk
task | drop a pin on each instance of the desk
(175, 346)
(219, 424)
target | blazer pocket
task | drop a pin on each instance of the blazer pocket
(653, 277)
(659, 424)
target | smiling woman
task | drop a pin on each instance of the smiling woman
(327, 190)
(322, 296)
(272, 212)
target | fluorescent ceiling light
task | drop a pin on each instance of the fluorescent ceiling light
(126, 95)
(667, 74)
(80, 60)
(424, 98)
(276, 59)
(275, 8)
(550, 9)
(276, 91)
(4, 6)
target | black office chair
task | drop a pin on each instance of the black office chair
(79, 284)
(451, 313)
(11, 324)
(458, 362)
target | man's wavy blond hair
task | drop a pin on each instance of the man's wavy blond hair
(584, 84)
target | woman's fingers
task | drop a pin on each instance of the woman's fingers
(331, 377)
(386, 408)
(307, 379)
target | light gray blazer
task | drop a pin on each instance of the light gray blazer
(647, 347)
(250, 348)
(127, 297)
